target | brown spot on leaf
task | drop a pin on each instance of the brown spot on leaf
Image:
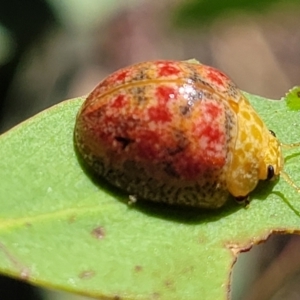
(155, 296)
(138, 268)
(72, 219)
(169, 283)
(98, 232)
(188, 269)
(87, 274)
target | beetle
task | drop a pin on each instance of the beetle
(177, 132)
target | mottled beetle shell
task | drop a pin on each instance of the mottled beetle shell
(175, 132)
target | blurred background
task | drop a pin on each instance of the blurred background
(53, 50)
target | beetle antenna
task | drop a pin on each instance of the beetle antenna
(290, 146)
(286, 177)
(289, 180)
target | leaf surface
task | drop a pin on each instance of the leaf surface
(61, 228)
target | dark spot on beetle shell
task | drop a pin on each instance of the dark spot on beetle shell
(87, 274)
(196, 77)
(184, 110)
(141, 75)
(98, 233)
(207, 95)
(138, 92)
(181, 143)
(169, 169)
(123, 141)
(232, 90)
(174, 151)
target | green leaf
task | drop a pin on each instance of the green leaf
(293, 98)
(61, 228)
(197, 12)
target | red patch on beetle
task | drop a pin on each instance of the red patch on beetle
(121, 75)
(167, 69)
(216, 76)
(215, 136)
(191, 165)
(188, 167)
(164, 94)
(147, 144)
(209, 132)
(212, 109)
(119, 102)
(159, 114)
